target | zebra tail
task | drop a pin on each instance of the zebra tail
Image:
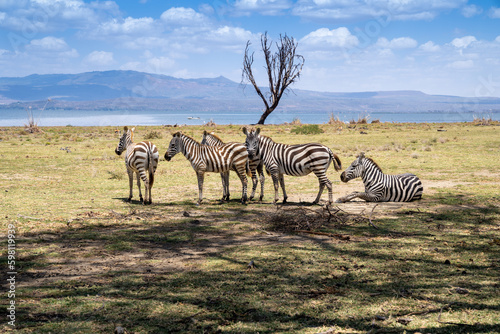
(150, 168)
(247, 169)
(336, 161)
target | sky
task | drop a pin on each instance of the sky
(448, 47)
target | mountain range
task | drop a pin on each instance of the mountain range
(118, 90)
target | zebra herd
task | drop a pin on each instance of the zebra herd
(259, 152)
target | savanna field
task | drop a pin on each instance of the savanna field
(87, 261)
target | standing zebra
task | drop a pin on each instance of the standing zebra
(141, 158)
(255, 164)
(380, 187)
(295, 160)
(217, 159)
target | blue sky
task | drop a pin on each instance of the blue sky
(436, 46)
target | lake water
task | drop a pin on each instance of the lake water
(10, 117)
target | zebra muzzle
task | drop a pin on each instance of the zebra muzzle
(118, 152)
(167, 157)
(343, 178)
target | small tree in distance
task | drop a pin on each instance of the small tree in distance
(283, 69)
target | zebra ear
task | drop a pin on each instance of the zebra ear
(125, 128)
(245, 132)
(257, 131)
(361, 156)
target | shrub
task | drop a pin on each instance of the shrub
(335, 120)
(310, 129)
(153, 135)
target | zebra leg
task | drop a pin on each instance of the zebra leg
(200, 175)
(282, 182)
(262, 179)
(364, 196)
(130, 183)
(323, 181)
(244, 185)
(226, 176)
(321, 188)
(275, 178)
(224, 186)
(146, 185)
(254, 183)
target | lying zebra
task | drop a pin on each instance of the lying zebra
(380, 187)
(295, 160)
(255, 164)
(217, 159)
(140, 158)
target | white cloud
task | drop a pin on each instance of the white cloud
(160, 64)
(494, 13)
(461, 64)
(326, 38)
(264, 7)
(463, 42)
(48, 44)
(181, 16)
(429, 47)
(36, 16)
(230, 35)
(119, 27)
(397, 43)
(99, 58)
(471, 10)
(330, 10)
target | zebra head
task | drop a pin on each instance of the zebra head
(125, 140)
(252, 142)
(204, 140)
(174, 147)
(355, 170)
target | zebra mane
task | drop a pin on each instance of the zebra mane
(374, 163)
(179, 134)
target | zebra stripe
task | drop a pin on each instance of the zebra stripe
(216, 159)
(140, 158)
(255, 164)
(380, 187)
(295, 160)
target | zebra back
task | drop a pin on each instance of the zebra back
(299, 159)
(218, 159)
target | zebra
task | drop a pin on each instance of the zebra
(295, 160)
(140, 158)
(380, 187)
(218, 159)
(255, 164)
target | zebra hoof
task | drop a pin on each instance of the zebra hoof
(128, 200)
(315, 202)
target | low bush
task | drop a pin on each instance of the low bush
(310, 129)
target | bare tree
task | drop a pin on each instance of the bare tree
(283, 69)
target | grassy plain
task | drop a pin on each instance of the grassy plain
(87, 261)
